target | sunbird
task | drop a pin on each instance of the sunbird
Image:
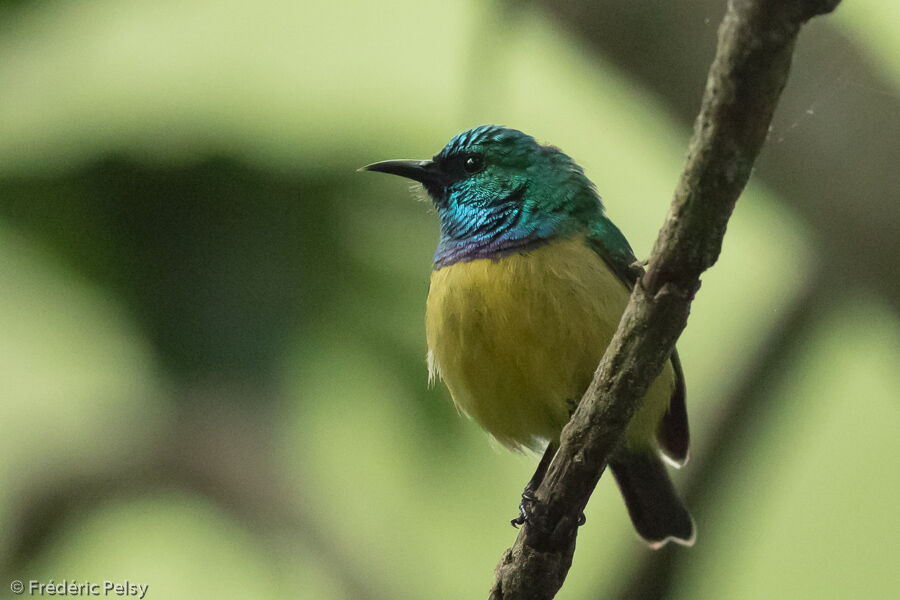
(529, 282)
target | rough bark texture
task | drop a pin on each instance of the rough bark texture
(832, 152)
(756, 41)
(744, 415)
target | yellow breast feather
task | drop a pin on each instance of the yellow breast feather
(517, 339)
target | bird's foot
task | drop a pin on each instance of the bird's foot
(525, 505)
(525, 508)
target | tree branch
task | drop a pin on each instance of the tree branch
(756, 41)
(747, 411)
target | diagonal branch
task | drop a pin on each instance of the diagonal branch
(756, 41)
(746, 411)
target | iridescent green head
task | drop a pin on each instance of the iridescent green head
(498, 191)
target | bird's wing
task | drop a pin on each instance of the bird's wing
(609, 243)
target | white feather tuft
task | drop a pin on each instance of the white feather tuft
(434, 369)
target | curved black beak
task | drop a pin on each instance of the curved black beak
(423, 171)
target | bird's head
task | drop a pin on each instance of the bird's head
(497, 191)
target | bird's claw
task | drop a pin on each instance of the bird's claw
(525, 505)
(524, 509)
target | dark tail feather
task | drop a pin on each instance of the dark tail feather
(673, 436)
(655, 510)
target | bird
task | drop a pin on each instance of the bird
(529, 282)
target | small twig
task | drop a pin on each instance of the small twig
(756, 41)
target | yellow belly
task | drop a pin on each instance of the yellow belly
(517, 340)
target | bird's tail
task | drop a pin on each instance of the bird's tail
(657, 513)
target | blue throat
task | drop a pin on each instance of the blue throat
(504, 228)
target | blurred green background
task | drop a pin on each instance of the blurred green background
(212, 344)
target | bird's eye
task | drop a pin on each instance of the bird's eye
(473, 163)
